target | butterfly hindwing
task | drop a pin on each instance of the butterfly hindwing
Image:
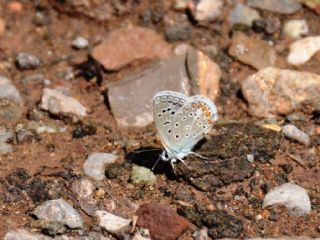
(192, 121)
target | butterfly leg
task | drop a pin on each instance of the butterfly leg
(198, 155)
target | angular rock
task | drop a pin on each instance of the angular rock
(280, 6)
(123, 46)
(244, 15)
(59, 104)
(162, 221)
(173, 74)
(142, 175)
(294, 197)
(295, 28)
(206, 10)
(273, 91)
(59, 211)
(21, 234)
(27, 61)
(252, 51)
(111, 222)
(302, 50)
(94, 166)
(291, 131)
(203, 73)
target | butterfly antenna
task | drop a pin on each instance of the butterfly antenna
(145, 150)
(156, 163)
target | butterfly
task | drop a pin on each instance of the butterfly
(181, 122)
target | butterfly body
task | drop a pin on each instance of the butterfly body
(181, 122)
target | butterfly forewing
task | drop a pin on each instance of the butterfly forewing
(165, 106)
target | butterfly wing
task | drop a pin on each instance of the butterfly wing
(191, 122)
(166, 104)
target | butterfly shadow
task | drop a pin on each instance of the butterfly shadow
(148, 157)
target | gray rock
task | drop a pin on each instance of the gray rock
(242, 14)
(180, 30)
(59, 104)
(38, 78)
(111, 222)
(27, 61)
(142, 175)
(83, 188)
(8, 90)
(94, 166)
(200, 76)
(273, 91)
(53, 228)
(280, 6)
(302, 50)
(5, 135)
(292, 132)
(80, 43)
(21, 234)
(252, 50)
(59, 211)
(10, 100)
(294, 197)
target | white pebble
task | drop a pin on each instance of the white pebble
(94, 166)
(294, 197)
(291, 131)
(80, 43)
(111, 222)
(302, 50)
(295, 28)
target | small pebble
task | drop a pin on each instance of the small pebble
(294, 197)
(292, 132)
(295, 28)
(80, 43)
(111, 222)
(303, 49)
(250, 158)
(94, 166)
(206, 10)
(27, 61)
(242, 14)
(5, 135)
(142, 175)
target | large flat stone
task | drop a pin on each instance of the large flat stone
(125, 45)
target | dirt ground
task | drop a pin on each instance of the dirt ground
(42, 169)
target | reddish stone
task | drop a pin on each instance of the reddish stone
(162, 221)
(123, 46)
